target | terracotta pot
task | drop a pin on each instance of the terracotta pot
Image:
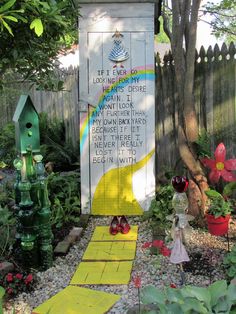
(218, 226)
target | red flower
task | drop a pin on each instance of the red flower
(172, 285)
(137, 282)
(158, 243)
(19, 276)
(219, 166)
(165, 251)
(9, 277)
(10, 291)
(28, 279)
(146, 245)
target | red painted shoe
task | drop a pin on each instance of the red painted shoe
(114, 226)
(124, 226)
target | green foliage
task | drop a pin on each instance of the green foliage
(7, 223)
(161, 206)
(63, 193)
(230, 263)
(7, 193)
(7, 144)
(32, 33)
(54, 146)
(2, 292)
(162, 37)
(223, 19)
(218, 206)
(217, 298)
(203, 145)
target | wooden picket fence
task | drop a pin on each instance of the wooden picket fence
(214, 91)
(62, 105)
(215, 99)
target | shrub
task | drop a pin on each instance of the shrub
(230, 263)
(161, 206)
(64, 197)
(7, 224)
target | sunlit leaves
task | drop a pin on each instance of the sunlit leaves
(37, 25)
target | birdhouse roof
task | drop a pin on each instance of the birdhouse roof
(23, 102)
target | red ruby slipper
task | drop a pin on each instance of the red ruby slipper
(114, 226)
(124, 226)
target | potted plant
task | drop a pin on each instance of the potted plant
(218, 213)
(221, 169)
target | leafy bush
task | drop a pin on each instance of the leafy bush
(230, 263)
(7, 223)
(216, 298)
(54, 145)
(8, 144)
(161, 206)
(203, 144)
(64, 197)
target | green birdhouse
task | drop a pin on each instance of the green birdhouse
(26, 126)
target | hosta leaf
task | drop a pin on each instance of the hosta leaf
(202, 294)
(232, 292)
(151, 294)
(2, 292)
(218, 289)
(193, 304)
(37, 25)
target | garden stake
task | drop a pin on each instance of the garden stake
(182, 275)
(34, 229)
(227, 237)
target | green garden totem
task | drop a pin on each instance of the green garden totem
(34, 229)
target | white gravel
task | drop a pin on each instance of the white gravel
(155, 270)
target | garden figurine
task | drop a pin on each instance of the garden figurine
(180, 220)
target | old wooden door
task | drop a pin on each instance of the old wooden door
(117, 109)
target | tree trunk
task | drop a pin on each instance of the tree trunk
(184, 27)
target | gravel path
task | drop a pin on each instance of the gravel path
(205, 251)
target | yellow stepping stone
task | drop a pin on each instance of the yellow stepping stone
(102, 273)
(110, 251)
(101, 233)
(77, 300)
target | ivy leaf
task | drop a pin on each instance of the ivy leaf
(37, 25)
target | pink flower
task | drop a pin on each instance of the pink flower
(146, 245)
(9, 277)
(158, 243)
(19, 276)
(28, 279)
(165, 251)
(137, 281)
(10, 291)
(219, 166)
